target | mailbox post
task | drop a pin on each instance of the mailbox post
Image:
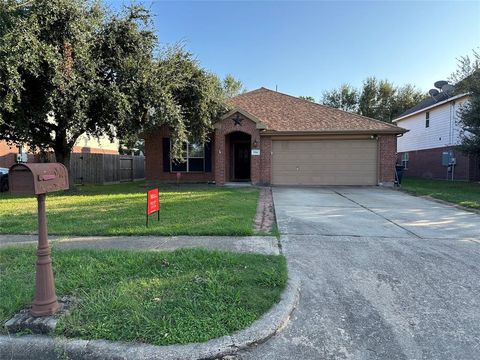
(40, 179)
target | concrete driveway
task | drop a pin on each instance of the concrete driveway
(385, 275)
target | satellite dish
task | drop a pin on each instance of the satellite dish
(433, 92)
(440, 83)
(447, 88)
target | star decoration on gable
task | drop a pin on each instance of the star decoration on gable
(237, 120)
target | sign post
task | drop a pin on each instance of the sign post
(179, 175)
(153, 203)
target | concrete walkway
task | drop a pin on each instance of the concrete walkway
(251, 244)
(385, 275)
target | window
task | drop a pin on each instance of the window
(405, 158)
(427, 119)
(193, 159)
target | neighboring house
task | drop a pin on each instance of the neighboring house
(102, 145)
(273, 138)
(8, 154)
(84, 144)
(428, 147)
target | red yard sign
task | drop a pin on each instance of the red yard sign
(153, 203)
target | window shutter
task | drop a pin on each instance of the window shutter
(208, 156)
(166, 154)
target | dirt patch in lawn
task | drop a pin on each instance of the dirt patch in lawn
(265, 217)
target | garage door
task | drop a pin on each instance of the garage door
(324, 162)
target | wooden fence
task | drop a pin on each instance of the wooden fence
(106, 168)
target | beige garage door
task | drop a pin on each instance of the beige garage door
(325, 162)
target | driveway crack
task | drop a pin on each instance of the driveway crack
(383, 217)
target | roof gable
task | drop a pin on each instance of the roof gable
(284, 113)
(259, 124)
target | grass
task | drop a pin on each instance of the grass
(120, 210)
(457, 192)
(154, 297)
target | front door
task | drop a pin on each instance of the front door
(241, 161)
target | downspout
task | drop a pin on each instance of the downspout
(451, 125)
(451, 136)
(396, 155)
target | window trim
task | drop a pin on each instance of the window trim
(405, 160)
(187, 158)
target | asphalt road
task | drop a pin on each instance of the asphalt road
(385, 275)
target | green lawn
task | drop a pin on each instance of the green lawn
(120, 210)
(458, 192)
(155, 297)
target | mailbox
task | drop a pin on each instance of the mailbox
(40, 179)
(36, 179)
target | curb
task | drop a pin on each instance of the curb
(41, 347)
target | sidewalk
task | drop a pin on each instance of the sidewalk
(267, 245)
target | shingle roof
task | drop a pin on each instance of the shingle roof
(285, 113)
(426, 103)
(442, 96)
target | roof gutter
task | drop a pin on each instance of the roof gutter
(334, 132)
(430, 107)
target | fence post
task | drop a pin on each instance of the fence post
(103, 169)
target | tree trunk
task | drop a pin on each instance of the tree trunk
(63, 156)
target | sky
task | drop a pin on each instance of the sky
(304, 48)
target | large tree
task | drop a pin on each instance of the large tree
(345, 98)
(232, 87)
(307, 97)
(69, 67)
(187, 99)
(378, 99)
(406, 96)
(66, 69)
(199, 94)
(467, 80)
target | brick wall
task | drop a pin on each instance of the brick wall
(261, 166)
(8, 154)
(428, 163)
(222, 149)
(266, 160)
(154, 161)
(387, 150)
(474, 170)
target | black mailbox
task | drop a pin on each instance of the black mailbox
(36, 179)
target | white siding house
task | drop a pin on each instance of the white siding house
(442, 131)
(428, 148)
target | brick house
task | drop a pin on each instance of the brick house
(273, 138)
(428, 148)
